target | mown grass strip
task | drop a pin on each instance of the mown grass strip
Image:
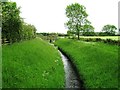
(32, 64)
(97, 62)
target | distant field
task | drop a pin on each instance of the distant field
(32, 64)
(97, 62)
(102, 37)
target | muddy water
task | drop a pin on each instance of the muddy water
(72, 79)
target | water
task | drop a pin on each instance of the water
(72, 80)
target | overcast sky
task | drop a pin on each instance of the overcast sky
(49, 15)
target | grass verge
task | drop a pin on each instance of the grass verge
(32, 64)
(97, 62)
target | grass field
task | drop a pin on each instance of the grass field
(102, 37)
(32, 64)
(96, 62)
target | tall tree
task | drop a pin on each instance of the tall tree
(13, 26)
(77, 17)
(11, 21)
(109, 29)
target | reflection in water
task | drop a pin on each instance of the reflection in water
(72, 80)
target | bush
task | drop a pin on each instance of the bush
(98, 39)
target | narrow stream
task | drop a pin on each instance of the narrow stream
(72, 79)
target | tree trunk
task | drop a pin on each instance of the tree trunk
(3, 40)
(78, 32)
(78, 35)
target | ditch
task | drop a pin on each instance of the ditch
(72, 77)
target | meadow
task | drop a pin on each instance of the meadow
(102, 37)
(96, 62)
(32, 64)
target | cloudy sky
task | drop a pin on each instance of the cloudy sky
(49, 15)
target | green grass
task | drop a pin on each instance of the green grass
(32, 64)
(96, 62)
(102, 37)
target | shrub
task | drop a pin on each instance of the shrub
(98, 39)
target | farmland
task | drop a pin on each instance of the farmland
(102, 37)
(96, 62)
(32, 64)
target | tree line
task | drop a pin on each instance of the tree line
(14, 29)
(78, 24)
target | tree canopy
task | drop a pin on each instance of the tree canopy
(13, 26)
(77, 18)
(88, 30)
(109, 29)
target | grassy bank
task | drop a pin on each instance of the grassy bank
(97, 62)
(32, 64)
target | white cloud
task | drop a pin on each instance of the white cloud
(49, 15)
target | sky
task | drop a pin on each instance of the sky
(49, 15)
